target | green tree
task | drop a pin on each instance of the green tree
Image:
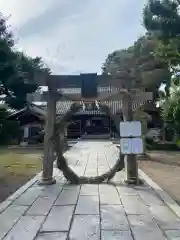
(9, 130)
(171, 110)
(162, 20)
(138, 65)
(16, 70)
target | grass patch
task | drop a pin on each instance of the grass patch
(16, 165)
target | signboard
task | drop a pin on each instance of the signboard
(137, 146)
(130, 129)
(131, 146)
(125, 145)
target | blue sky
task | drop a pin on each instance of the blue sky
(74, 36)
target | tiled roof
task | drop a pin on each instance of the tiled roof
(63, 106)
(39, 111)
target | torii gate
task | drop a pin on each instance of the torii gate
(107, 88)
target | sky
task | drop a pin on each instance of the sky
(73, 36)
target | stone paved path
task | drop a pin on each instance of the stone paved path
(88, 212)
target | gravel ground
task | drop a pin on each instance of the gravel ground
(164, 169)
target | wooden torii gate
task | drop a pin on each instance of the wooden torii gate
(108, 88)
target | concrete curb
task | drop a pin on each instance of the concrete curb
(163, 195)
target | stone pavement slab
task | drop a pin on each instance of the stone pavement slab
(28, 197)
(85, 227)
(108, 195)
(26, 228)
(144, 227)
(116, 235)
(9, 218)
(173, 234)
(88, 205)
(111, 211)
(52, 236)
(41, 206)
(58, 219)
(141, 233)
(67, 197)
(134, 205)
(88, 189)
(113, 217)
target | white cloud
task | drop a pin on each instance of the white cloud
(74, 36)
(21, 11)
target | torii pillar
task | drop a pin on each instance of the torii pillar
(48, 159)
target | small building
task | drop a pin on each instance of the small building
(31, 120)
(89, 121)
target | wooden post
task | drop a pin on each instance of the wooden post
(144, 132)
(48, 160)
(116, 120)
(110, 126)
(131, 168)
(143, 118)
(65, 139)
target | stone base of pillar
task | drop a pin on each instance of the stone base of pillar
(134, 182)
(46, 182)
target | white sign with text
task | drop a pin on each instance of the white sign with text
(130, 129)
(131, 146)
